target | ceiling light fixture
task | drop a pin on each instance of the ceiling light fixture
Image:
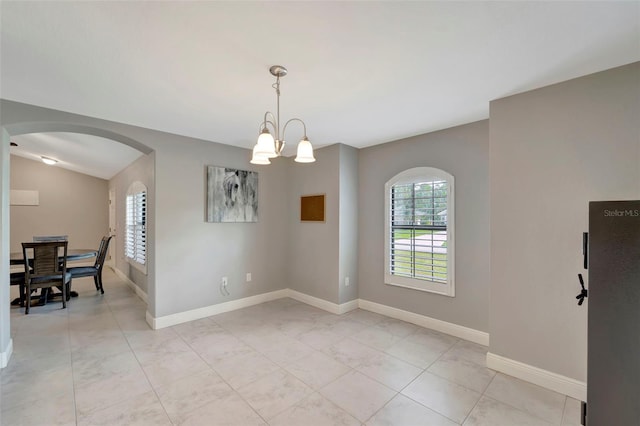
(49, 161)
(271, 146)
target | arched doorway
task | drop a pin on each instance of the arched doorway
(23, 128)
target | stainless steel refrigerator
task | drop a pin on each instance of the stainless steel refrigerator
(613, 364)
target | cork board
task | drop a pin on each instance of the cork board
(312, 208)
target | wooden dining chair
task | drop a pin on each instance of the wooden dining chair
(94, 271)
(45, 267)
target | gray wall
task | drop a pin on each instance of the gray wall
(313, 249)
(141, 170)
(71, 203)
(348, 226)
(552, 151)
(463, 152)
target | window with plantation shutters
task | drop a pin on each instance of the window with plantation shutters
(419, 230)
(135, 242)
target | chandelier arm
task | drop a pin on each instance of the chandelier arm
(304, 126)
(263, 125)
(266, 120)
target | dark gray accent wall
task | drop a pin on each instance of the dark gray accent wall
(462, 151)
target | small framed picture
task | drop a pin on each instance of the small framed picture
(312, 208)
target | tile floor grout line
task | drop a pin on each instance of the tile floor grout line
(564, 409)
(382, 408)
(431, 409)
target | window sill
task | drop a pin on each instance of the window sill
(443, 289)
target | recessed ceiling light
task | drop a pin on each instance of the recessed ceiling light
(49, 161)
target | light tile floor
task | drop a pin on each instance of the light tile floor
(279, 363)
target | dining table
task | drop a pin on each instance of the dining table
(17, 258)
(73, 255)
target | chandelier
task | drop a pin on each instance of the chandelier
(271, 146)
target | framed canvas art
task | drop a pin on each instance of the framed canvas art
(232, 195)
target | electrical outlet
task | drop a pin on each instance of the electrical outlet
(346, 282)
(225, 281)
(248, 277)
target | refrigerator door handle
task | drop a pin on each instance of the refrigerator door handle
(583, 293)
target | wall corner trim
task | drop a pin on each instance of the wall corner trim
(547, 379)
(456, 330)
(6, 354)
(325, 305)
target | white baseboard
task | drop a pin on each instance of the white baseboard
(6, 354)
(207, 311)
(456, 330)
(325, 305)
(547, 379)
(141, 294)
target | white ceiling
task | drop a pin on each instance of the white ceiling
(360, 73)
(87, 154)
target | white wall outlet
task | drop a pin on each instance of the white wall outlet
(248, 277)
(346, 282)
(225, 281)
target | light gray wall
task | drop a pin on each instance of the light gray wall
(552, 151)
(313, 249)
(462, 151)
(348, 227)
(71, 203)
(141, 170)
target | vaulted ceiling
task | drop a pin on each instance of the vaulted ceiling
(360, 73)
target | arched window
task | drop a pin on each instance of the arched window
(135, 240)
(419, 224)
